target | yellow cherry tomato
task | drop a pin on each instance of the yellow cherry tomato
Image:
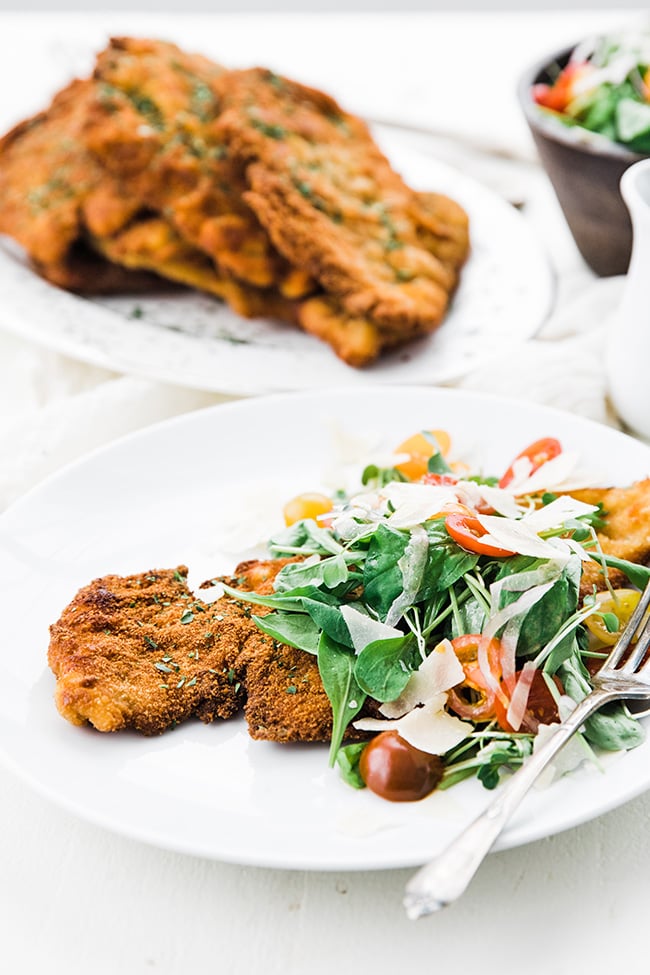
(420, 448)
(621, 605)
(309, 505)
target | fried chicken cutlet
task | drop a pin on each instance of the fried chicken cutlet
(149, 127)
(152, 243)
(143, 652)
(51, 189)
(333, 206)
(625, 533)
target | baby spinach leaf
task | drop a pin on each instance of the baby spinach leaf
(437, 464)
(547, 615)
(446, 561)
(296, 629)
(612, 728)
(472, 615)
(336, 668)
(347, 759)
(384, 666)
(382, 577)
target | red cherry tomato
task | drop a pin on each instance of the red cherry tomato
(397, 771)
(537, 453)
(437, 479)
(475, 699)
(560, 94)
(540, 707)
(467, 531)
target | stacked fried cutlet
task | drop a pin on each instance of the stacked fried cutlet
(240, 183)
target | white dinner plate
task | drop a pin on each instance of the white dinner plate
(182, 492)
(190, 338)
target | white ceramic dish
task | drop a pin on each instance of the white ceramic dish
(192, 339)
(172, 494)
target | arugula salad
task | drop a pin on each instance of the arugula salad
(605, 88)
(449, 615)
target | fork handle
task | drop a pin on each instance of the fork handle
(442, 881)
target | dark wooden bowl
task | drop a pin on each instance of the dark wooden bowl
(585, 170)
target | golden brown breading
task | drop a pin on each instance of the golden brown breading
(152, 243)
(332, 204)
(246, 185)
(50, 187)
(149, 126)
(141, 652)
(626, 533)
(285, 698)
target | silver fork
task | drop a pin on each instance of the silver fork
(442, 881)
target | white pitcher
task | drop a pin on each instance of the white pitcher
(628, 350)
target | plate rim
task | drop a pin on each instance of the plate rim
(236, 381)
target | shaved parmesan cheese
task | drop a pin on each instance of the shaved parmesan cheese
(429, 728)
(570, 757)
(555, 514)
(549, 477)
(412, 565)
(363, 629)
(502, 501)
(416, 503)
(438, 672)
(433, 730)
(519, 699)
(516, 536)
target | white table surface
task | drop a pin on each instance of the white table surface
(76, 899)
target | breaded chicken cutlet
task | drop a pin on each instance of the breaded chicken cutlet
(52, 190)
(149, 125)
(332, 204)
(263, 192)
(625, 533)
(143, 652)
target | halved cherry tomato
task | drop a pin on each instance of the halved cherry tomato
(437, 479)
(467, 531)
(540, 707)
(484, 703)
(621, 605)
(396, 770)
(560, 94)
(537, 453)
(420, 447)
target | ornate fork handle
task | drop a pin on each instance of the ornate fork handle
(443, 880)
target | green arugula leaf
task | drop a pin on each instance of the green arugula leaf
(446, 561)
(326, 613)
(336, 668)
(639, 575)
(330, 572)
(296, 629)
(378, 477)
